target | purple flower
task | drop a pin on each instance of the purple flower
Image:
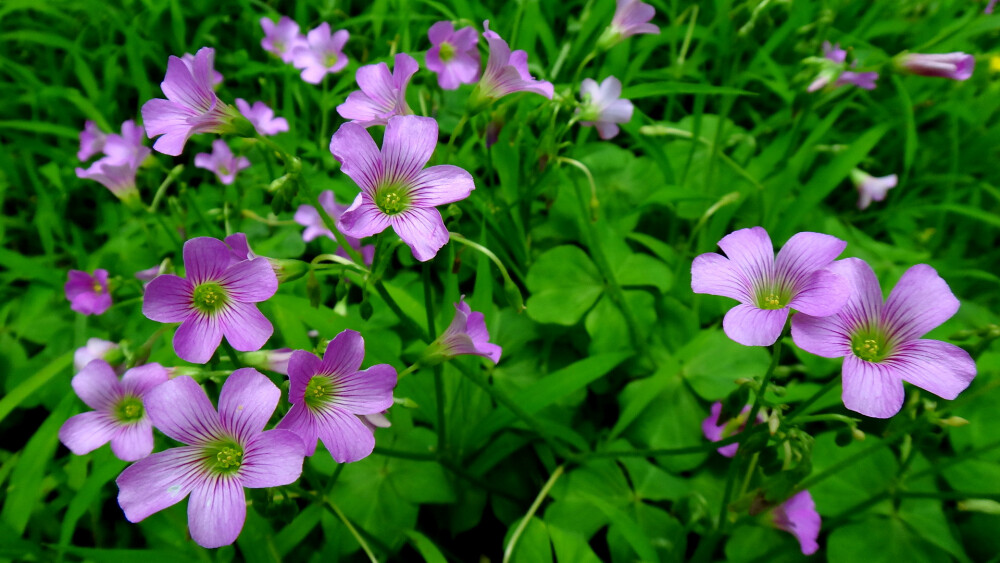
(281, 39)
(466, 334)
(88, 294)
(956, 66)
(453, 55)
(865, 80)
(262, 117)
(95, 349)
(91, 141)
(798, 517)
(989, 7)
(834, 71)
(382, 94)
(715, 430)
(149, 274)
(119, 414)
(321, 53)
(834, 52)
(221, 161)
(119, 178)
(602, 106)
(191, 105)
(225, 451)
(328, 395)
(507, 72)
(396, 190)
(632, 18)
(880, 342)
(188, 59)
(767, 287)
(127, 147)
(308, 217)
(871, 188)
(217, 299)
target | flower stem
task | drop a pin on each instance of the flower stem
(352, 529)
(509, 551)
(439, 396)
(809, 402)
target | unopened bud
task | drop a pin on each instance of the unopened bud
(857, 434)
(287, 269)
(953, 421)
(366, 310)
(983, 505)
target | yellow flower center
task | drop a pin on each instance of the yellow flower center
(209, 297)
(447, 52)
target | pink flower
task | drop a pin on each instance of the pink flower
(309, 217)
(602, 106)
(322, 53)
(396, 190)
(881, 341)
(834, 71)
(191, 106)
(329, 395)
(96, 349)
(262, 117)
(382, 94)
(91, 141)
(124, 154)
(466, 334)
(956, 66)
(88, 294)
(632, 18)
(871, 188)
(454, 55)
(281, 39)
(222, 162)
(507, 72)
(188, 59)
(119, 414)
(225, 451)
(715, 429)
(798, 517)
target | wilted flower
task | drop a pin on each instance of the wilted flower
(328, 395)
(396, 190)
(95, 349)
(88, 294)
(871, 188)
(602, 106)
(119, 414)
(767, 287)
(224, 451)
(382, 94)
(798, 517)
(309, 217)
(956, 66)
(715, 429)
(466, 334)
(221, 161)
(880, 342)
(217, 299)
(507, 72)
(281, 39)
(118, 178)
(188, 59)
(262, 117)
(191, 105)
(453, 55)
(322, 53)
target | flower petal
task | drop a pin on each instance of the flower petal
(217, 511)
(344, 354)
(440, 31)
(180, 409)
(864, 306)
(272, 459)
(408, 144)
(168, 299)
(250, 281)
(159, 481)
(368, 391)
(302, 366)
(363, 218)
(141, 379)
(751, 326)
(198, 337)
(422, 229)
(183, 88)
(805, 253)
(134, 441)
(97, 385)
(714, 274)
(205, 259)
(302, 422)
(824, 336)
(798, 517)
(939, 367)
(751, 252)
(871, 389)
(246, 403)
(919, 303)
(439, 185)
(345, 436)
(88, 431)
(358, 155)
(821, 294)
(170, 120)
(245, 327)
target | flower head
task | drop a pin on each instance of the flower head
(631, 17)
(956, 66)
(119, 414)
(767, 287)
(798, 517)
(95, 349)
(715, 429)
(321, 53)
(871, 188)
(188, 59)
(221, 161)
(881, 341)
(382, 94)
(396, 190)
(281, 39)
(225, 451)
(989, 7)
(507, 72)
(308, 217)
(191, 105)
(124, 154)
(833, 71)
(91, 141)
(466, 334)
(217, 299)
(88, 294)
(602, 106)
(328, 395)
(262, 117)
(453, 55)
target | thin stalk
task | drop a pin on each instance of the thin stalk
(439, 396)
(816, 396)
(509, 551)
(353, 530)
(160, 191)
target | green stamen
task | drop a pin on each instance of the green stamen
(447, 52)
(330, 59)
(392, 199)
(209, 297)
(870, 346)
(98, 289)
(129, 410)
(224, 457)
(772, 297)
(319, 391)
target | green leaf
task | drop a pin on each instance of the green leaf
(634, 535)
(672, 420)
(533, 546)
(571, 545)
(713, 362)
(880, 540)
(426, 547)
(657, 89)
(855, 483)
(33, 383)
(564, 284)
(927, 520)
(606, 325)
(640, 269)
(639, 394)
